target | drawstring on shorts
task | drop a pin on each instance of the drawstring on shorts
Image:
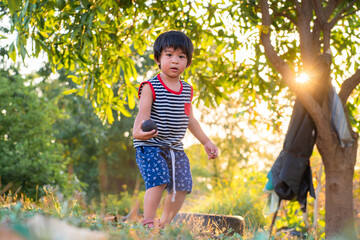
(173, 174)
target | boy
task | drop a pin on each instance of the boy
(160, 156)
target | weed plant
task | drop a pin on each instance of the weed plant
(242, 195)
(16, 210)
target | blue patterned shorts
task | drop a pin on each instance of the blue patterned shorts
(155, 166)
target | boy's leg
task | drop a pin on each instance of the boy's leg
(154, 170)
(172, 208)
(183, 182)
(152, 200)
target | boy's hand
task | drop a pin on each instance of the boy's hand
(143, 136)
(211, 150)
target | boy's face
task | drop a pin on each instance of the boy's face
(172, 62)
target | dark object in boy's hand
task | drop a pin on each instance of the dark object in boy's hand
(149, 125)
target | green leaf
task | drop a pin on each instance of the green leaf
(68, 92)
(59, 66)
(12, 52)
(23, 51)
(109, 115)
(130, 97)
(14, 5)
(60, 4)
(100, 10)
(84, 3)
(125, 112)
(74, 78)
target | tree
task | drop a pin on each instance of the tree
(30, 156)
(98, 40)
(99, 155)
(316, 22)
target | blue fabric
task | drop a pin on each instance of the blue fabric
(269, 185)
(155, 167)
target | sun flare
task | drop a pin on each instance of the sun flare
(302, 78)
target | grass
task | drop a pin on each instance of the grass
(242, 196)
(16, 211)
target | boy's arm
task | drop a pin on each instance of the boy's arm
(196, 130)
(146, 101)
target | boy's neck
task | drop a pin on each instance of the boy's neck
(168, 79)
(172, 83)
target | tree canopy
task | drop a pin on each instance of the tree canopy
(102, 42)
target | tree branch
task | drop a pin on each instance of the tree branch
(130, 28)
(311, 105)
(318, 24)
(319, 10)
(278, 14)
(350, 13)
(330, 7)
(297, 5)
(277, 62)
(348, 86)
(307, 48)
(340, 14)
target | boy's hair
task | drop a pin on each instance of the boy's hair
(173, 39)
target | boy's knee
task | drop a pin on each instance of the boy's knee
(162, 186)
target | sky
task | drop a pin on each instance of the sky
(31, 64)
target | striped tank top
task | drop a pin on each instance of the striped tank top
(170, 111)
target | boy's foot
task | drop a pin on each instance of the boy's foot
(161, 226)
(148, 223)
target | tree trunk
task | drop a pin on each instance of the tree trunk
(103, 179)
(339, 166)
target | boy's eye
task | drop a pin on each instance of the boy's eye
(169, 55)
(182, 57)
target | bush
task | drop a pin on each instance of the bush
(242, 196)
(29, 155)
